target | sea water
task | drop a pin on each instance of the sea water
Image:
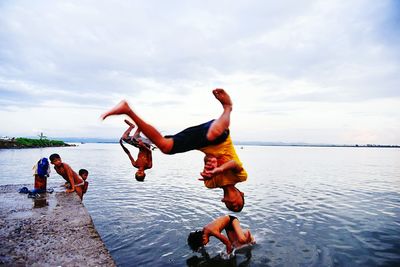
(306, 206)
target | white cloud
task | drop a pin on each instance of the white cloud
(295, 70)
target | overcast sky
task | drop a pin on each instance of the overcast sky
(297, 71)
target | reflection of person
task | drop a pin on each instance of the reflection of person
(235, 238)
(206, 260)
(63, 169)
(212, 138)
(144, 158)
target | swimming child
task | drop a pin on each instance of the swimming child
(212, 138)
(63, 169)
(144, 159)
(236, 236)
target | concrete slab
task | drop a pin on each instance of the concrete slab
(52, 230)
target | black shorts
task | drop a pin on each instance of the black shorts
(229, 227)
(195, 137)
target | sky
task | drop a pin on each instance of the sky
(297, 71)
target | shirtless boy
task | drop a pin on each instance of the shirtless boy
(144, 158)
(83, 173)
(212, 138)
(63, 169)
(235, 238)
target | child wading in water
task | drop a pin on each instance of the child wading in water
(144, 158)
(212, 138)
(235, 238)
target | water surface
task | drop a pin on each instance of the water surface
(306, 206)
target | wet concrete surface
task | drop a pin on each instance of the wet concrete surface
(54, 229)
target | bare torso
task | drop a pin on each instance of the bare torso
(66, 171)
(144, 159)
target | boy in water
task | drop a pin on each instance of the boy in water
(144, 158)
(235, 238)
(83, 173)
(63, 169)
(212, 138)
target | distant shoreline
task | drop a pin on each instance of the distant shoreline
(19, 143)
(317, 145)
(65, 140)
(274, 144)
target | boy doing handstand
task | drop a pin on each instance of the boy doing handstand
(144, 158)
(212, 138)
(235, 238)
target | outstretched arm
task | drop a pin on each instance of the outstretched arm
(128, 153)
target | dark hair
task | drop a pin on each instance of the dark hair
(195, 240)
(83, 171)
(54, 156)
(139, 177)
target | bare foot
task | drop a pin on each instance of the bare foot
(121, 108)
(223, 97)
(129, 123)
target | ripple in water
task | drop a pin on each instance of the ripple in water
(305, 206)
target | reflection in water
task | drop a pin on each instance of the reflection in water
(40, 202)
(206, 260)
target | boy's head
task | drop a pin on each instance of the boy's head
(83, 173)
(140, 175)
(55, 159)
(195, 240)
(234, 200)
(210, 162)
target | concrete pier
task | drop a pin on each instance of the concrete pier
(52, 230)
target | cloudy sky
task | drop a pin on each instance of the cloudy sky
(298, 71)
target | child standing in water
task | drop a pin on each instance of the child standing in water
(236, 236)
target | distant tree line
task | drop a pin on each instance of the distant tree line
(22, 142)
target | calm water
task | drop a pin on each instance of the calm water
(305, 206)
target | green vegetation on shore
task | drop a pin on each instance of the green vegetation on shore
(21, 142)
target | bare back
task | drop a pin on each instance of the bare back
(67, 172)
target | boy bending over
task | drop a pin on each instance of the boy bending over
(235, 238)
(63, 169)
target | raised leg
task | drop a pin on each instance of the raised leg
(164, 144)
(223, 122)
(125, 135)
